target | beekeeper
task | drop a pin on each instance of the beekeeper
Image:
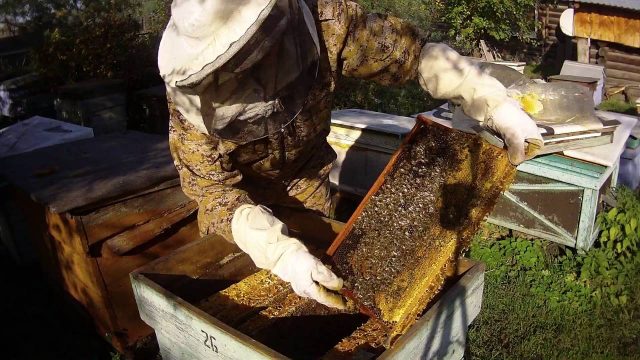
(250, 85)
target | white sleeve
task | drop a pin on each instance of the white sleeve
(447, 75)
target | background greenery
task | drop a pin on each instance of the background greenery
(541, 300)
(545, 301)
(76, 40)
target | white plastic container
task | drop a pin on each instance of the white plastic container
(629, 174)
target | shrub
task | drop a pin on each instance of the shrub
(600, 276)
(495, 21)
(424, 13)
(83, 39)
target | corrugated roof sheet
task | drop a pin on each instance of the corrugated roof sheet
(625, 4)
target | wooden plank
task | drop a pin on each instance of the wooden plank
(622, 74)
(568, 170)
(194, 259)
(620, 82)
(615, 65)
(442, 331)
(115, 271)
(618, 56)
(583, 50)
(81, 211)
(142, 233)
(537, 233)
(113, 219)
(188, 332)
(79, 273)
(85, 172)
(614, 25)
(587, 219)
(114, 268)
(485, 51)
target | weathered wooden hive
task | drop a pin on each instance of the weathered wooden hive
(207, 300)
(418, 217)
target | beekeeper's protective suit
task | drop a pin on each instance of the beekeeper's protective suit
(250, 83)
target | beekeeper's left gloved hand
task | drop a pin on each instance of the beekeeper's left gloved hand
(447, 75)
(265, 239)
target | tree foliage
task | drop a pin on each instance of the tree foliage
(80, 39)
(422, 13)
(495, 21)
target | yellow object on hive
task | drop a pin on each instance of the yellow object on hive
(530, 103)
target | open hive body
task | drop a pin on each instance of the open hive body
(410, 229)
(395, 252)
(253, 312)
(265, 309)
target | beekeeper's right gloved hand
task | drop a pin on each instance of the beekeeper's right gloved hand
(447, 75)
(265, 239)
(519, 132)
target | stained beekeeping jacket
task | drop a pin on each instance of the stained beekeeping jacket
(250, 86)
(250, 108)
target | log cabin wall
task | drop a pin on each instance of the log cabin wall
(556, 47)
(621, 63)
(614, 33)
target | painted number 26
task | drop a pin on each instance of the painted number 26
(210, 342)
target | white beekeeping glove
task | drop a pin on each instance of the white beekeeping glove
(265, 239)
(447, 75)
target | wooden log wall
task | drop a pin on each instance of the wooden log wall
(549, 15)
(622, 63)
(556, 46)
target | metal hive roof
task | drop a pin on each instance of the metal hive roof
(624, 4)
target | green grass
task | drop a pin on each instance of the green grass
(618, 106)
(406, 100)
(518, 321)
(513, 324)
(539, 71)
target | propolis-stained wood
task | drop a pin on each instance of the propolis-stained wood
(96, 210)
(94, 277)
(207, 300)
(412, 226)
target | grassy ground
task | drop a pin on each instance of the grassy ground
(618, 106)
(518, 323)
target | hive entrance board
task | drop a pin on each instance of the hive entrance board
(416, 220)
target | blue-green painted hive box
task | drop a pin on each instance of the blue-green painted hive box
(556, 198)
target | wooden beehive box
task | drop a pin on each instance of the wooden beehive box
(556, 198)
(364, 142)
(97, 209)
(98, 104)
(170, 293)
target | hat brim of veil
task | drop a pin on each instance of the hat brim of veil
(186, 63)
